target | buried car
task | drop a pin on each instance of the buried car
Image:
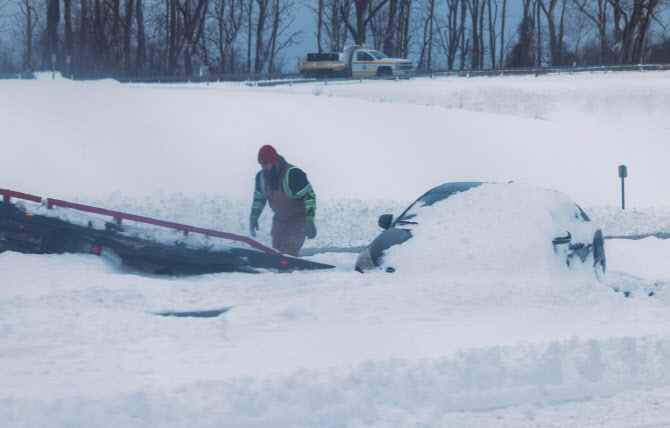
(474, 226)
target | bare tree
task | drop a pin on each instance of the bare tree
(404, 33)
(82, 57)
(250, 31)
(476, 9)
(335, 26)
(26, 20)
(273, 32)
(3, 16)
(319, 11)
(391, 28)
(502, 33)
(538, 37)
(555, 34)
(171, 23)
(113, 40)
(280, 36)
(273, 36)
(522, 53)
(127, 28)
(67, 15)
(465, 43)
(365, 12)
(319, 26)
(228, 18)
(426, 55)
(193, 13)
(140, 53)
(260, 32)
(596, 11)
(632, 19)
(492, 19)
(454, 33)
(53, 18)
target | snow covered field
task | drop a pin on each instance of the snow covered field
(81, 343)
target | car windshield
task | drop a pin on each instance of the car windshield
(430, 197)
(378, 55)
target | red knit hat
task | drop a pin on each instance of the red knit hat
(268, 154)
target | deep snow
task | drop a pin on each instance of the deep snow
(81, 344)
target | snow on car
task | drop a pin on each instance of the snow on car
(472, 226)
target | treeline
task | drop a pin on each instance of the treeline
(99, 38)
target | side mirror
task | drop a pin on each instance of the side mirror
(562, 240)
(385, 221)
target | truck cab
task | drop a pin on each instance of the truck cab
(366, 62)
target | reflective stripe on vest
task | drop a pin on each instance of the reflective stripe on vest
(285, 187)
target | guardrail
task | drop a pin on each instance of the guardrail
(120, 216)
(296, 78)
(257, 79)
(542, 71)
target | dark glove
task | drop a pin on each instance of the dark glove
(253, 224)
(310, 227)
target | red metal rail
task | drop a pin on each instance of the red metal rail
(119, 216)
(7, 196)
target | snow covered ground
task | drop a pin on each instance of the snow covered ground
(81, 343)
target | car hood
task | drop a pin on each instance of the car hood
(401, 60)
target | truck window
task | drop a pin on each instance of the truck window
(364, 56)
(378, 55)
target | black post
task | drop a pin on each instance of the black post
(623, 173)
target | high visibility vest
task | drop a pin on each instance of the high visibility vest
(285, 204)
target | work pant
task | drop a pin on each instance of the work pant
(288, 236)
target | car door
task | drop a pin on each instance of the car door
(363, 64)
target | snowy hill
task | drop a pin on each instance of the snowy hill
(81, 343)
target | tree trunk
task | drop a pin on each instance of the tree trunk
(536, 8)
(100, 42)
(82, 63)
(260, 30)
(391, 29)
(319, 27)
(431, 32)
(492, 32)
(273, 38)
(473, 5)
(141, 42)
(28, 49)
(68, 28)
(362, 8)
(464, 43)
(115, 39)
(426, 46)
(406, 9)
(172, 37)
(502, 33)
(249, 34)
(599, 17)
(126, 37)
(53, 17)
